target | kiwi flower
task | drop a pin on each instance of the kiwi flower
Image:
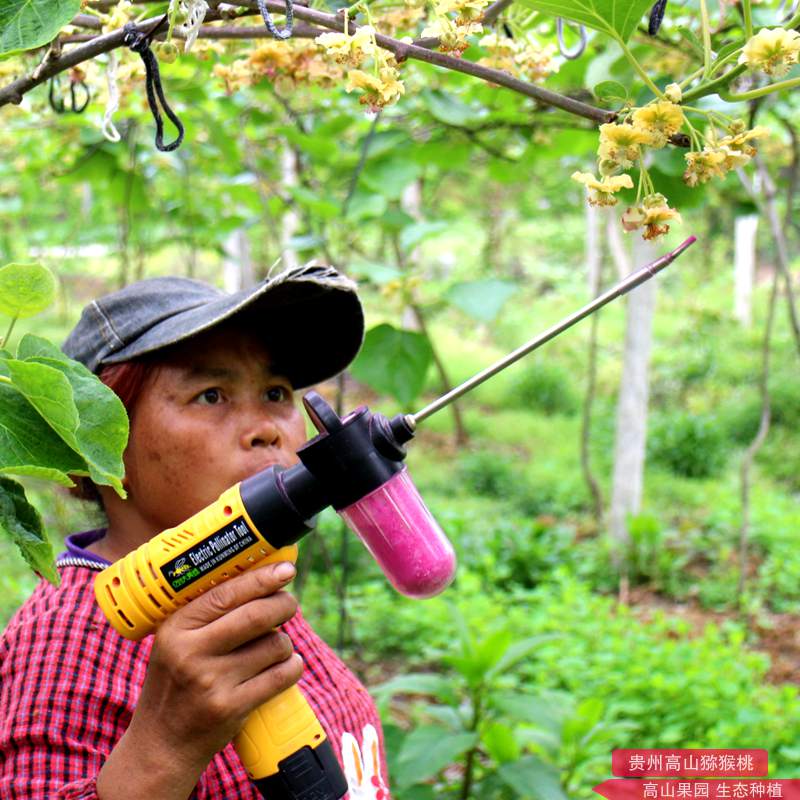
(351, 50)
(660, 119)
(772, 51)
(704, 165)
(620, 143)
(601, 192)
(652, 215)
(379, 91)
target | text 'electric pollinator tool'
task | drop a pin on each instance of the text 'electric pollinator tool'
(354, 464)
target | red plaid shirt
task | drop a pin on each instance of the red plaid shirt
(69, 684)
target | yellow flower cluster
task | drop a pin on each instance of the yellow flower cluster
(349, 50)
(296, 61)
(652, 215)
(524, 57)
(716, 160)
(379, 90)
(772, 51)
(601, 192)
(380, 87)
(452, 36)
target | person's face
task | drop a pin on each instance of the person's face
(213, 415)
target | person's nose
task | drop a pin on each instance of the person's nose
(260, 430)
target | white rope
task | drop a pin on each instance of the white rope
(194, 12)
(109, 130)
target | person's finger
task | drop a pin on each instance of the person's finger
(223, 599)
(250, 621)
(259, 655)
(276, 679)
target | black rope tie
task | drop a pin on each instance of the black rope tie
(284, 33)
(139, 43)
(656, 17)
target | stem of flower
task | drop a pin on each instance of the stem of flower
(721, 62)
(730, 97)
(747, 13)
(8, 332)
(714, 86)
(706, 39)
(639, 69)
(684, 83)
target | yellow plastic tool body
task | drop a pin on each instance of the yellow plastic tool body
(141, 590)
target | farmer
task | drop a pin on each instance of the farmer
(207, 379)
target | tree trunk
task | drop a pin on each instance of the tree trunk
(291, 219)
(237, 266)
(594, 265)
(631, 426)
(744, 267)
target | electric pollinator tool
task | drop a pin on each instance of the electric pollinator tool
(354, 464)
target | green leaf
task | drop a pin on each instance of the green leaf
(449, 109)
(500, 742)
(532, 779)
(25, 24)
(427, 750)
(481, 300)
(25, 289)
(21, 521)
(28, 445)
(691, 39)
(390, 175)
(394, 362)
(366, 206)
(519, 650)
(418, 232)
(439, 686)
(479, 656)
(100, 432)
(613, 17)
(531, 709)
(611, 93)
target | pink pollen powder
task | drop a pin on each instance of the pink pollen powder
(395, 525)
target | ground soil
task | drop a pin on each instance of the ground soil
(776, 634)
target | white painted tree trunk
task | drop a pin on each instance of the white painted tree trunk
(411, 203)
(291, 219)
(631, 430)
(237, 266)
(744, 267)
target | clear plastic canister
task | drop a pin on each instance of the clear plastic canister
(395, 525)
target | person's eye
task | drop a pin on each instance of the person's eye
(277, 394)
(209, 397)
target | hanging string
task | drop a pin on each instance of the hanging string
(562, 46)
(112, 106)
(140, 43)
(278, 34)
(195, 12)
(656, 16)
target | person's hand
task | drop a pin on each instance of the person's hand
(213, 662)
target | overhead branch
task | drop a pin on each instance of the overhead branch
(495, 10)
(403, 51)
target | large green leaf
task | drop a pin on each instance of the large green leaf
(483, 299)
(22, 523)
(28, 445)
(428, 749)
(25, 289)
(617, 18)
(25, 24)
(532, 779)
(100, 432)
(394, 362)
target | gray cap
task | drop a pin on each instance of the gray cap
(310, 317)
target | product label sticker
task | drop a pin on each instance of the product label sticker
(208, 554)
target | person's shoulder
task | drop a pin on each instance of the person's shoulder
(65, 606)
